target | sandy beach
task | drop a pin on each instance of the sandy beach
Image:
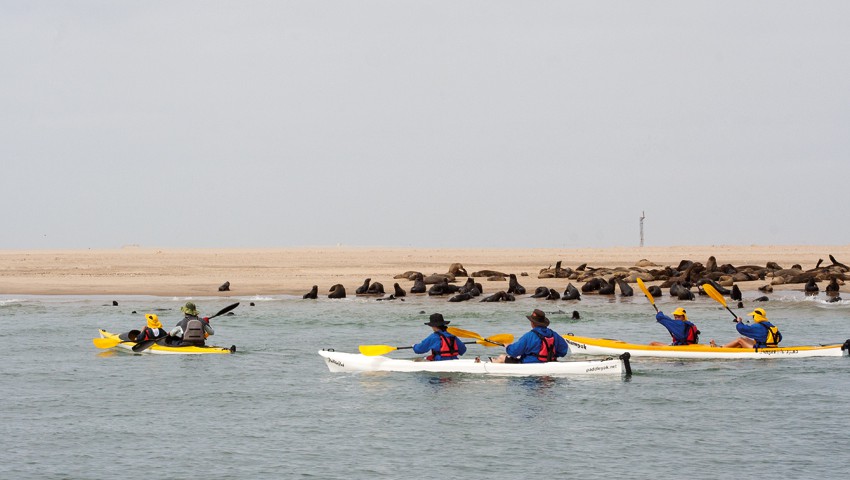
(199, 272)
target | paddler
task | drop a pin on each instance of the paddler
(153, 330)
(540, 345)
(762, 334)
(192, 330)
(682, 331)
(442, 344)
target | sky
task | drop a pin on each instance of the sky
(432, 124)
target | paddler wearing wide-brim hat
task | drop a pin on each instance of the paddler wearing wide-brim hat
(191, 313)
(540, 345)
(442, 344)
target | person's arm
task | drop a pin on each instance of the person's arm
(207, 327)
(756, 332)
(518, 348)
(562, 348)
(425, 346)
(461, 347)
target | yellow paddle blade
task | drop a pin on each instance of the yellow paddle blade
(107, 342)
(374, 350)
(495, 340)
(713, 293)
(459, 332)
(645, 291)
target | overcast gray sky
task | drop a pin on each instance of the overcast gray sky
(427, 124)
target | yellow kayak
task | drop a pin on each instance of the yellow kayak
(606, 346)
(160, 348)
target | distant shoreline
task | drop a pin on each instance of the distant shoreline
(293, 271)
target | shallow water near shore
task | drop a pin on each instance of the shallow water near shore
(273, 410)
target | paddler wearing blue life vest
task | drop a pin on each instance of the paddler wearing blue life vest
(682, 331)
(761, 334)
(152, 330)
(442, 344)
(540, 345)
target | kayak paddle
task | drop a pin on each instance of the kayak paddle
(648, 295)
(713, 293)
(502, 339)
(108, 342)
(142, 346)
(494, 341)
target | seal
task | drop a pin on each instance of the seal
(398, 291)
(811, 287)
(418, 284)
(553, 295)
(461, 298)
(655, 290)
(375, 289)
(625, 289)
(591, 285)
(736, 293)
(337, 291)
(363, 288)
(225, 287)
(571, 293)
(514, 286)
(606, 288)
(540, 292)
(313, 293)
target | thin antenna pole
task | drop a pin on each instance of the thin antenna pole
(642, 216)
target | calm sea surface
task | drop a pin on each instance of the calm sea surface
(273, 410)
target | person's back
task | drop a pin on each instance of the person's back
(441, 344)
(539, 345)
(764, 333)
(193, 334)
(152, 330)
(682, 331)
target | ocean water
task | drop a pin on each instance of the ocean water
(273, 410)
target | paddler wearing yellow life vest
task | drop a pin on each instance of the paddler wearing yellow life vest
(761, 334)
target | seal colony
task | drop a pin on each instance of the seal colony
(684, 281)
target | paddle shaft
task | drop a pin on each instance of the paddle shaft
(648, 295)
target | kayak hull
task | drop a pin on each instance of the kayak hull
(354, 362)
(157, 349)
(608, 347)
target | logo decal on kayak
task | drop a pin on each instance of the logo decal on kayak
(335, 362)
(600, 368)
(577, 345)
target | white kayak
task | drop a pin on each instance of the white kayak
(605, 346)
(355, 362)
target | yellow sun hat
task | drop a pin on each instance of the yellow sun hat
(759, 315)
(680, 311)
(153, 321)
